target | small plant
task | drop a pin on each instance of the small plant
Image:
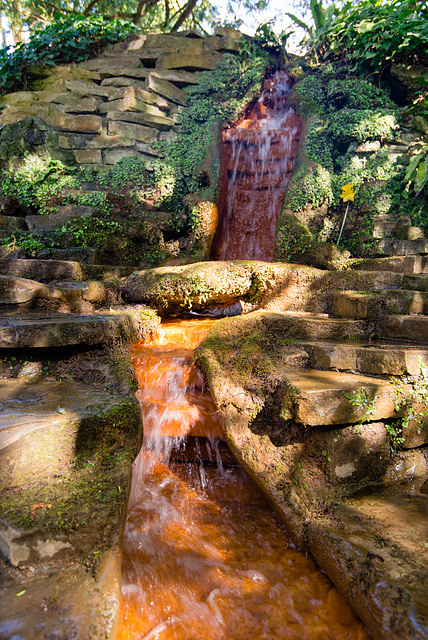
(414, 401)
(417, 171)
(396, 439)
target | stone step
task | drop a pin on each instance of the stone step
(360, 304)
(89, 290)
(318, 326)
(47, 271)
(316, 398)
(416, 282)
(401, 264)
(61, 217)
(402, 327)
(73, 254)
(372, 358)
(363, 280)
(387, 226)
(12, 223)
(35, 330)
(402, 247)
(19, 290)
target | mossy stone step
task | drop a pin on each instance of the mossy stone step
(35, 330)
(317, 326)
(12, 223)
(402, 247)
(363, 280)
(408, 264)
(47, 271)
(62, 216)
(313, 397)
(373, 358)
(359, 304)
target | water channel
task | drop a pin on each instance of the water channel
(205, 558)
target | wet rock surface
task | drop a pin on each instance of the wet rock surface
(70, 428)
(342, 489)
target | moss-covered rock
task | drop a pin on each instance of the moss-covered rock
(173, 290)
(347, 127)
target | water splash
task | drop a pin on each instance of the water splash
(259, 154)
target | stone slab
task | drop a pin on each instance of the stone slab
(100, 63)
(88, 156)
(363, 280)
(416, 282)
(138, 89)
(178, 78)
(166, 89)
(399, 327)
(90, 89)
(18, 98)
(317, 398)
(400, 264)
(124, 71)
(85, 105)
(47, 271)
(196, 61)
(357, 304)
(12, 223)
(62, 217)
(162, 123)
(14, 290)
(102, 141)
(375, 552)
(130, 102)
(133, 131)
(402, 247)
(57, 330)
(368, 358)
(112, 156)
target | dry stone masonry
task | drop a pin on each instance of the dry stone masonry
(120, 103)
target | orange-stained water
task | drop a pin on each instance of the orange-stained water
(256, 167)
(204, 556)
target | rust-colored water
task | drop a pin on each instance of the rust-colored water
(205, 558)
(257, 163)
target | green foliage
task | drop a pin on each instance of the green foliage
(347, 123)
(65, 40)
(92, 232)
(35, 180)
(413, 402)
(417, 171)
(362, 125)
(372, 34)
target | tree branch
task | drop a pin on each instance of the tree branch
(90, 6)
(165, 24)
(184, 15)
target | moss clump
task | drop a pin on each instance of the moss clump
(348, 124)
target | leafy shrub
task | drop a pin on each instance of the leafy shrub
(372, 34)
(70, 39)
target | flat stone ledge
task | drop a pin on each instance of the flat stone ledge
(58, 330)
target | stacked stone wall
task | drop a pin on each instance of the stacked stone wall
(118, 104)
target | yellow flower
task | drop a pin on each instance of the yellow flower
(348, 192)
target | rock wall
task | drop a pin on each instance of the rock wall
(121, 102)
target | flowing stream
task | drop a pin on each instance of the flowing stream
(205, 558)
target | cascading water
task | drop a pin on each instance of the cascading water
(204, 556)
(258, 159)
